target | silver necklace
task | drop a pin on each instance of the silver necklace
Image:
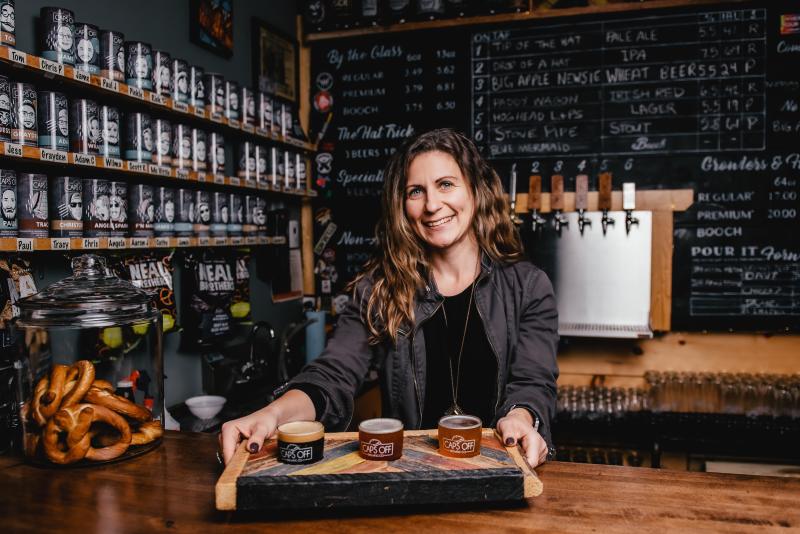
(454, 408)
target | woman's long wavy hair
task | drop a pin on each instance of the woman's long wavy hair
(399, 267)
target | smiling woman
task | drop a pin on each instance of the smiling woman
(454, 318)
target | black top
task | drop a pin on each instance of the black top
(477, 387)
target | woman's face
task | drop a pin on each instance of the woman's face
(438, 201)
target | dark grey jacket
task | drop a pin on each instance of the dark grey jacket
(518, 310)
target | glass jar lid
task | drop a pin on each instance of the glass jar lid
(91, 297)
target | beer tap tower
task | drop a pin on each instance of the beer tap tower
(535, 202)
(629, 204)
(557, 202)
(604, 200)
(582, 200)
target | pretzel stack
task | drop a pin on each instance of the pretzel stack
(72, 417)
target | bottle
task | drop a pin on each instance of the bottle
(399, 11)
(316, 16)
(343, 13)
(371, 12)
(430, 9)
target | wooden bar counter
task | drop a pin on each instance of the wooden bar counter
(172, 490)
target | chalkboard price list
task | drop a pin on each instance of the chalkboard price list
(680, 83)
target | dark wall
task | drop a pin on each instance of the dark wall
(165, 25)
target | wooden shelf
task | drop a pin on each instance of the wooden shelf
(43, 155)
(10, 244)
(536, 14)
(50, 69)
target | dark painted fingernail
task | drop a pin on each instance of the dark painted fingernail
(254, 447)
(509, 441)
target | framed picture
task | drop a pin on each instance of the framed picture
(275, 56)
(211, 25)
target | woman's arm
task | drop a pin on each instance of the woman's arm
(294, 405)
(533, 371)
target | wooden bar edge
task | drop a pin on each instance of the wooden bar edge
(533, 487)
(225, 489)
(646, 200)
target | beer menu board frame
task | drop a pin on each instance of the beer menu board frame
(701, 97)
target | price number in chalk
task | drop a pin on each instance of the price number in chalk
(413, 107)
(413, 88)
(446, 105)
(412, 72)
(446, 70)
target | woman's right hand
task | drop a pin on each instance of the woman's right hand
(255, 428)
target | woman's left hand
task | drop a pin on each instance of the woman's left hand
(517, 427)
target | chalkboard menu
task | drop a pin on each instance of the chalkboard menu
(701, 97)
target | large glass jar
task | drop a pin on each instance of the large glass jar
(90, 360)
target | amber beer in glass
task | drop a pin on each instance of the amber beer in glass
(460, 436)
(301, 442)
(380, 439)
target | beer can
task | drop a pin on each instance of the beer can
(181, 146)
(199, 149)
(139, 137)
(263, 155)
(278, 167)
(6, 112)
(220, 216)
(277, 118)
(248, 103)
(181, 91)
(8, 23)
(235, 214)
(197, 86)
(202, 213)
(33, 212)
(232, 104)
(162, 73)
(57, 38)
(8, 203)
(141, 210)
(66, 206)
(264, 102)
(184, 224)
(249, 227)
(85, 131)
(301, 172)
(164, 199)
(53, 120)
(138, 64)
(95, 214)
(246, 168)
(109, 123)
(289, 178)
(118, 208)
(215, 92)
(288, 120)
(216, 153)
(112, 55)
(23, 120)
(260, 216)
(87, 48)
(162, 149)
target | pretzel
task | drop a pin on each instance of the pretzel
(74, 422)
(81, 375)
(47, 394)
(147, 432)
(109, 452)
(121, 405)
(103, 384)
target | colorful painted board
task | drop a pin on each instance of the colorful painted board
(344, 479)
